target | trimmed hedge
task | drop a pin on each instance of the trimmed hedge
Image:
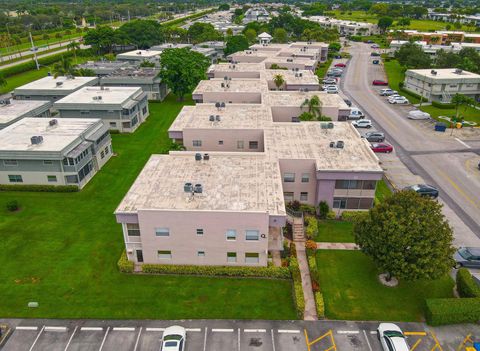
(228, 271)
(40, 188)
(298, 298)
(442, 106)
(311, 229)
(466, 285)
(353, 216)
(452, 311)
(320, 304)
(30, 65)
(124, 265)
(312, 266)
(411, 93)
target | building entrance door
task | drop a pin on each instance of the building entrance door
(139, 256)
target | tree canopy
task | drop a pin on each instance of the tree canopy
(235, 43)
(200, 32)
(407, 236)
(384, 22)
(412, 55)
(143, 33)
(182, 69)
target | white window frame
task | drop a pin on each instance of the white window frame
(201, 253)
(164, 255)
(249, 258)
(52, 181)
(230, 231)
(232, 259)
(137, 229)
(196, 143)
(47, 162)
(289, 177)
(251, 231)
(305, 194)
(305, 177)
(164, 232)
(200, 232)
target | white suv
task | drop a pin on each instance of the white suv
(387, 92)
(391, 337)
(355, 113)
(398, 100)
(362, 123)
(332, 89)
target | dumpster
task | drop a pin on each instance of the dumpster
(476, 345)
(440, 127)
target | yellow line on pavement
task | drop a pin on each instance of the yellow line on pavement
(452, 182)
(415, 333)
(415, 345)
(437, 344)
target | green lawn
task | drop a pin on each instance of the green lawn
(38, 41)
(61, 250)
(323, 68)
(348, 281)
(396, 75)
(468, 112)
(382, 191)
(335, 231)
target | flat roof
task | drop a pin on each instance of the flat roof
(58, 84)
(233, 116)
(291, 77)
(170, 46)
(443, 73)
(237, 67)
(16, 137)
(134, 72)
(110, 95)
(244, 85)
(139, 54)
(286, 59)
(19, 108)
(296, 98)
(307, 140)
(231, 182)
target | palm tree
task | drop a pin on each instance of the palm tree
(3, 81)
(460, 99)
(74, 46)
(278, 80)
(313, 105)
(63, 67)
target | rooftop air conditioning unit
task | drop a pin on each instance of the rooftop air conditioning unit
(458, 71)
(198, 156)
(206, 157)
(433, 72)
(36, 139)
(340, 144)
(217, 118)
(330, 125)
(59, 84)
(332, 144)
(188, 187)
(198, 189)
(52, 122)
(211, 118)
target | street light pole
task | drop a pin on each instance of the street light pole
(34, 49)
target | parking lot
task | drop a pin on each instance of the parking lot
(59, 335)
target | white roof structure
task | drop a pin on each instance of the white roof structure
(51, 86)
(17, 109)
(264, 35)
(98, 96)
(139, 54)
(444, 73)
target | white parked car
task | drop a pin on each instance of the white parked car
(398, 100)
(332, 89)
(363, 123)
(174, 339)
(417, 114)
(391, 337)
(387, 92)
(355, 113)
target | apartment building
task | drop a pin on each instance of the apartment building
(441, 84)
(104, 68)
(243, 91)
(432, 49)
(61, 151)
(344, 27)
(52, 89)
(144, 77)
(120, 108)
(12, 111)
(136, 57)
(435, 38)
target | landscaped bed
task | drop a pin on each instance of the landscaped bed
(351, 290)
(469, 113)
(61, 250)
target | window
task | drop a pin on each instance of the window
(253, 144)
(162, 232)
(251, 257)
(133, 229)
(339, 202)
(369, 184)
(10, 162)
(113, 124)
(106, 150)
(164, 255)
(201, 253)
(231, 234)
(240, 144)
(47, 162)
(220, 142)
(289, 177)
(199, 232)
(15, 178)
(305, 177)
(144, 110)
(102, 154)
(196, 143)
(252, 235)
(231, 257)
(303, 196)
(288, 196)
(51, 178)
(84, 112)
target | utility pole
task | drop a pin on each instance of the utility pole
(128, 15)
(34, 49)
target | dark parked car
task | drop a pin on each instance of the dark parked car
(375, 54)
(382, 147)
(374, 137)
(376, 62)
(379, 82)
(467, 257)
(349, 104)
(338, 56)
(424, 190)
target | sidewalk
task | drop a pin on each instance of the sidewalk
(310, 306)
(337, 246)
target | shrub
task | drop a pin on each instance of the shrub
(355, 38)
(311, 229)
(12, 205)
(294, 205)
(312, 266)
(320, 304)
(452, 311)
(311, 245)
(124, 265)
(353, 216)
(297, 287)
(466, 285)
(308, 209)
(442, 105)
(293, 249)
(228, 271)
(323, 209)
(331, 215)
(286, 249)
(40, 188)
(30, 65)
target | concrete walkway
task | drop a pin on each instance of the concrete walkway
(310, 306)
(337, 246)
(276, 258)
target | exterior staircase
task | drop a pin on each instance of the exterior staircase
(295, 218)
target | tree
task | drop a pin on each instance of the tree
(314, 105)
(143, 33)
(403, 22)
(235, 43)
(182, 69)
(73, 46)
(459, 100)
(3, 81)
(384, 23)
(63, 67)
(380, 9)
(101, 39)
(412, 55)
(334, 47)
(280, 35)
(200, 32)
(251, 35)
(84, 72)
(146, 63)
(278, 80)
(407, 236)
(224, 7)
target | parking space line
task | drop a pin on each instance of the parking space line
(205, 340)
(91, 328)
(25, 328)
(437, 344)
(155, 329)
(104, 338)
(415, 333)
(138, 339)
(71, 337)
(287, 331)
(328, 333)
(62, 329)
(238, 339)
(348, 332)
(36, 339)
(366, 338)
(415, 345)
(372, 331)
(193, 329)
(123, 329)
(273, 340)
(222, 330)
(254, 330)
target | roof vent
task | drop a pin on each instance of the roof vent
(211, 118)
(217, 105)
(458, 71)
(222, 104)
(188, 188)
(332, 144)
(37, 139)
(198, 156)
(52, 122)
(206, 157)
(198, 189)
(58, 84)
(217, 118)
(96, 98)
(330, 125)
(340, 144)
(433, 72)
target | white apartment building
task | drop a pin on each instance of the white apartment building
(12, 111)
(346, 28)
(136, 57)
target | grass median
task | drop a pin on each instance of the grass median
(61, 250)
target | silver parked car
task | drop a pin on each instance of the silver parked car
(467, 257)
(417, 114)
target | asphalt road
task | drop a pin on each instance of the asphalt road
(225, 335)
(443, 160)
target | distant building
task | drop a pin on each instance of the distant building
(346, 28)
(256, 14)
(136, 57)
(264, 38)
(432, 49)
(57, 151)
(120, 108)
(435, 38)
(52, 89)
(104, 68)
(12, 111)
(441, 84)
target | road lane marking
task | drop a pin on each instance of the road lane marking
(288, 331)
(138, 339)
(452, 182)
(373, 331)
(348, 332)
(238, 338)
(222, 330)
(60, 329)
(254, 330)
(205, 340)
(155, 329)
(91, 328)
(123, 329)
(104, 338)
(368, 342)
(26, 328)
(437, 343)
(71, 337)
(273, 340)
(36, 339)
(463, 143)
(193, 329)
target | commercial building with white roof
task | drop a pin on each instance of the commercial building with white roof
(138, 56)
(346, 27)
(13, 110)
(60, 151)
(121, 108)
